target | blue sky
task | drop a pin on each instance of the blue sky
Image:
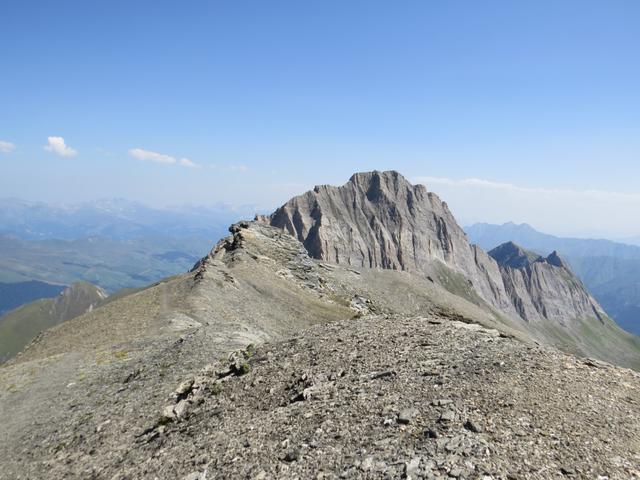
(252, 102)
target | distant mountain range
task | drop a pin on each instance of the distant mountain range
(610, 270)
(632, 241)
(116, 219)
(113, 244)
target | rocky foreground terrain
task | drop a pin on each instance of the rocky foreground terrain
(423, 397)
(263, 363)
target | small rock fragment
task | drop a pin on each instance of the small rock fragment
(185, 387)
(181, 408)
(448, 416)
(292, 456)
(367, 464)
(196, 476)
(472, 426)
(406, 416)
(411, 467)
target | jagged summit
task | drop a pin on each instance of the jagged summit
(512, 255)
(556, 260)
(380, 220)
(377, 183)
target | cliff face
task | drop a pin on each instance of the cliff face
(543, 288)
(380, 220)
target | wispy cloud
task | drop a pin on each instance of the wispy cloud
(6, 147)
(185, 162)
(237, 168)
(234, 168)
(156, 157)
(480, 183)
(141, 154)
(58, 146)
(557, 210)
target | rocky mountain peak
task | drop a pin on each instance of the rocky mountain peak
(555, 260)
(543, 288)
(512, 255)
(380, 220)
(377, 185)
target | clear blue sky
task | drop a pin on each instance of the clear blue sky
(270, 98)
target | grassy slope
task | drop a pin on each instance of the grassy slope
(22, 325)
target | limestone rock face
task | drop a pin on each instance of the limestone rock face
(380, 220)
(543, 288)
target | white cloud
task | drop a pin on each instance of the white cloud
(560, 211)
(149, 156)
(56, 145)
(141, 154)
(6, 147)
(185, 162)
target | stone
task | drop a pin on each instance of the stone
(169, 413)
(411, 468)
(196, 476)
(367, 464)
(184, 388)
(181, 408)
(431, 433)
(406, 416)
(472, 426)
(292, 456)
(447, 416)
(455, 472)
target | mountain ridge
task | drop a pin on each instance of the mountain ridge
(379, 220)
(610, 270)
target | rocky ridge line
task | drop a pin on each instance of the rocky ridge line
(379, 220)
